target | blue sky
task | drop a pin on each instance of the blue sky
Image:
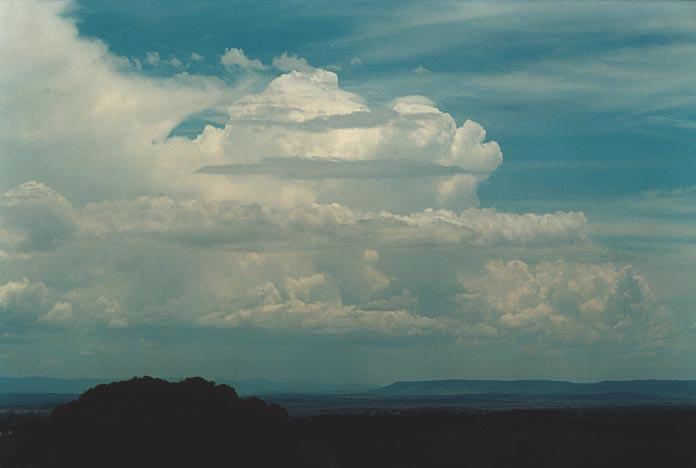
(608, 93)
(562, 247)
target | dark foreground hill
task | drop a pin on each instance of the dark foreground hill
(147, 422)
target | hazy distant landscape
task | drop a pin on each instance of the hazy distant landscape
(193, 422)
(462, 394)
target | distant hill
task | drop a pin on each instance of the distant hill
(33, 401)
(658, 388)
(48, 385)
(684, 389)
(268, 387)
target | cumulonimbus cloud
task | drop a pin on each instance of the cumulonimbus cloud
(360, 223)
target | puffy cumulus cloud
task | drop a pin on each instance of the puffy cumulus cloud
(469, 149)
(312, 304)
(278, 291)
(174, 62)
(347, 287)
(548, 303)
(26, 304)
(320, 270)
(310, 289)
(307, 114)
(298, 97)
(287, 63)
(234, 57)
(570, 302)
(22, 302)
(60, 313)
(152, 58)
(35, 217)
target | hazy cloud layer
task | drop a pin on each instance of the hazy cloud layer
(35, 217)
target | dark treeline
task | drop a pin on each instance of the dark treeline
(146, 422)
(512, 438)
(149, 422)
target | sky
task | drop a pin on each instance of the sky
(367, 192)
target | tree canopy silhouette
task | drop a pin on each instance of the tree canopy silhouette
(152, 422)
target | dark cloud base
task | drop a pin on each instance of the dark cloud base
(315, 168)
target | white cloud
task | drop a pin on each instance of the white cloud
(234, 57)
(118, 144)
(61, 312)
(22, 302)
(323, 318)
(294, 285)
(256, 226)
(551, 303)
(575, 302)
(112, 227)
(470, 150)
(174, 62)
(118, 119)
(152, 58)
(299, 97)
(297, 308)
(287, 63)
(35, 217)
(308, 115)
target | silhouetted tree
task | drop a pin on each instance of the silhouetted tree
(148, 422)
